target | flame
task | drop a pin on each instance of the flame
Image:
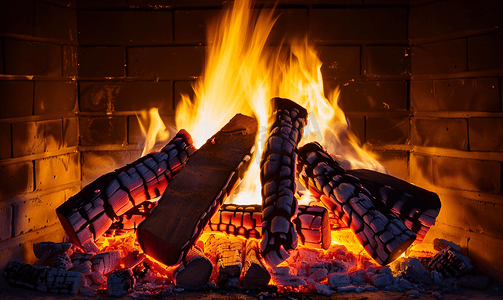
(243, 72)
(152, 128)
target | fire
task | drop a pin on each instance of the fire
(243, 72)
(152, 128)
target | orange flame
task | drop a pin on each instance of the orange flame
(243, 73)
(154, 132)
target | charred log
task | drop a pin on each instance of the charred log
(450, 263)
(312, 223)
(194, 271)
(254, 274)
(88, 214)
(416, 207)
(197, 192)
(277, 176)
(384, 236)
(120, 282)
(40, 248)
(44, 279)
(130, 220)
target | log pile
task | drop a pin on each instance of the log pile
(88, 214)
(277, 176)
(197, 192)
(382, 234)
(312, 223)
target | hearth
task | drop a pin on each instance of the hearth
(419, 84)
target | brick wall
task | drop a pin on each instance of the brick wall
(456, 121)
(39, 157)
(420, 83)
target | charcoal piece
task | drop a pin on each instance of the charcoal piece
(416, 207)
(381, 233)
(84, 268)
(105, 262)
(88, 214)
(194, 271)
(312, 223)
(450, 263)
(44, 279)
(277, 177)
(60, 261)
(80, 258)
(198, 191)
(40, 248)
(120, 282)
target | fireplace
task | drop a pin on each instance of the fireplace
(420, 85)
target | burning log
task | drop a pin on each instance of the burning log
(131, 219)
(228, 251)
(254, 274)
(194, 271)
(277, 176)
(198, 191)
(416, 207)
(383, 235)
(88, 214)
(312, 223)
(44, 279)
(120, 282)
(105, 262)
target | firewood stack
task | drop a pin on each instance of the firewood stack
(192, 198)
(87, 215)
(277, 176)
(384, 236)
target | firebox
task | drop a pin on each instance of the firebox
(419, 82)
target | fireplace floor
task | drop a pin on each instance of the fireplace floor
(494, 292)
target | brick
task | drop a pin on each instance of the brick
(373, 96)
(420, 170)
(168, 3)
(99, 4)
(5, 141)
(358, 24)
(105, 27)
(36, 137)
(339, 61)
(33, 214)
(482, 134)
(16, 17)
(21, 248)
(1, 57)
(467, 174)
(135, 136)
(357, 127)
(442, 133)
(101, 61)
(70, 61)
(469, 94)
(388, 60)
(32, 58)
(18, 177)
(471, 215)
(440, 57)
(165, 61)
(126, 96)
(444, 17)
(387, 130)
(291, 24)
(97, 163)
(17, 99)
(5, 220)
(65, 3)
(55, 171)
(484, 52)
(55, 22)
(54, 97)
(183, 87)
(70, 132)
(396, 162)
(191, 25)
(97, 131)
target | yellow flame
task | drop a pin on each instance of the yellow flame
(243, 72)
(152, 128)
